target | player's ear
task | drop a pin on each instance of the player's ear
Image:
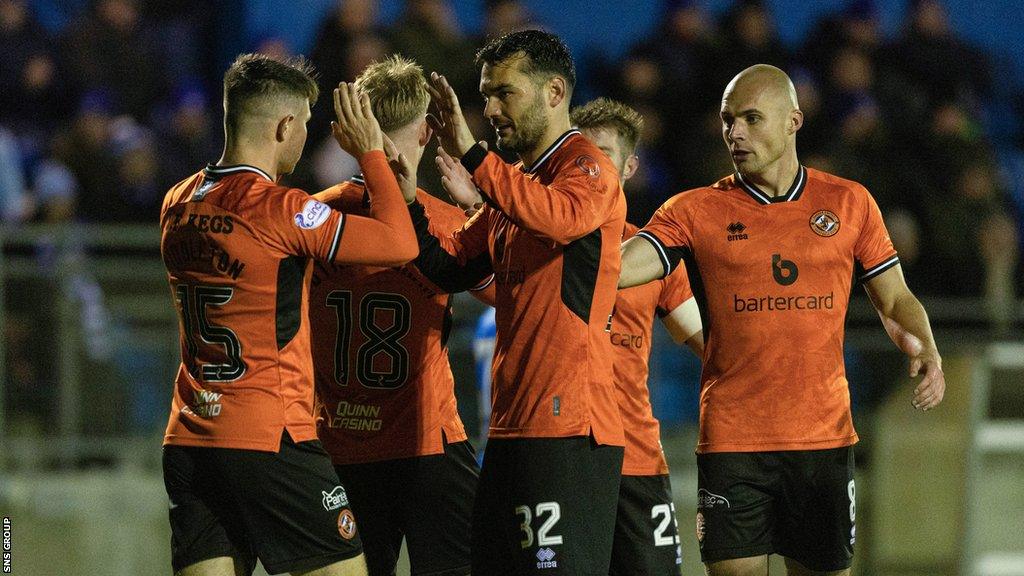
(796, 121)
(425, 133)
(630, 168)
(557, 91)
(283, 126)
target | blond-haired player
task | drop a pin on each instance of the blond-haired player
(389, 418)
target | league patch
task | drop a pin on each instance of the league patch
(589, 166)
(824, 223)
(347, 524)
(314, 213)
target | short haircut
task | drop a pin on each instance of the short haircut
(546, 54)
(397, 90)
(607, 113)
(254, 80)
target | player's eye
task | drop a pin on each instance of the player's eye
(753, 119)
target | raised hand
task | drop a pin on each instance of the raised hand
(930, 391)
(458, 182)
(446, 117)
(356, 128)
(403, 168)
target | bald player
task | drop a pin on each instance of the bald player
(771, 252)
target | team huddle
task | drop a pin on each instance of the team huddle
(314, 424)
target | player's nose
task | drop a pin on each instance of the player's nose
(492, 109)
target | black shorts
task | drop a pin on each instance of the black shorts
(287, 509)
(799, 504)
(646, 531)
(428, 500)
(546, 506)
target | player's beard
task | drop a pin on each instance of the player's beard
(529, 129)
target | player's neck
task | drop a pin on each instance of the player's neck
(776, 179)
(555, 130)
(255, 157)
(407, 144)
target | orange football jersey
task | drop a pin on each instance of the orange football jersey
(551, 235)
(772, 278)
(236, 246)
(632, 324)
(380, 355)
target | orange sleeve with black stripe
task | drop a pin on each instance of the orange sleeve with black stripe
(386, 237)
(575, 204)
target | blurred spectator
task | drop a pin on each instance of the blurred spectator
(108, 48)
(33, 94)
(856, 26)
(935, 63)
(15, 204)
(749, 38)
(502, 17)
(188, 138)
(429, 33)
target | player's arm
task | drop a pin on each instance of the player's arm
(575, 204)
(907, 324)
(386, 237)
(683, 324)
(453, 261)
(641, 263)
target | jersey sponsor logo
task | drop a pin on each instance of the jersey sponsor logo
(314, 213)
(546, 558)
(335, 499)
(510, 277)
(706, 500)
(347, 524)
(785, 272)
(589, 166)
(206, 404)
(783, 303)
(635, 341)
(362, 417)
(735, 230)
(824, 223)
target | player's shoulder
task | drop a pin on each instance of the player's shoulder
(825, 183)
(580, 151)
(183, 190)
(694, 197)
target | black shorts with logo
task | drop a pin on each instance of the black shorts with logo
(546, 506)
(287, 509)
(646, 531)
(428, 500)
(799, 504)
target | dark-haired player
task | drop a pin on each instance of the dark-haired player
(549, 483)
(244, 472)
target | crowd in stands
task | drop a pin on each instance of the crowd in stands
(98, 120)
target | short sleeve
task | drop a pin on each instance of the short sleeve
(670, 231)
(873, 251)
(675, 290)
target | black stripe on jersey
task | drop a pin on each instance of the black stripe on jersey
(288, 318)
(697, 286)
(581, 261)
(440, 267)
(551, 150)
(865, 275)
(667, 262)
(213, 172)
(446, 324)
(796, 189)
(337, 239)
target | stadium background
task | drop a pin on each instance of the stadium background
(103, 104)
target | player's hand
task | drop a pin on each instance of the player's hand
(932, 387)
(446, 117)
(403, 169)
(458, 182)
(356, 128)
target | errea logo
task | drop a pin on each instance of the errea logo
(546, 558)
(735, 230)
